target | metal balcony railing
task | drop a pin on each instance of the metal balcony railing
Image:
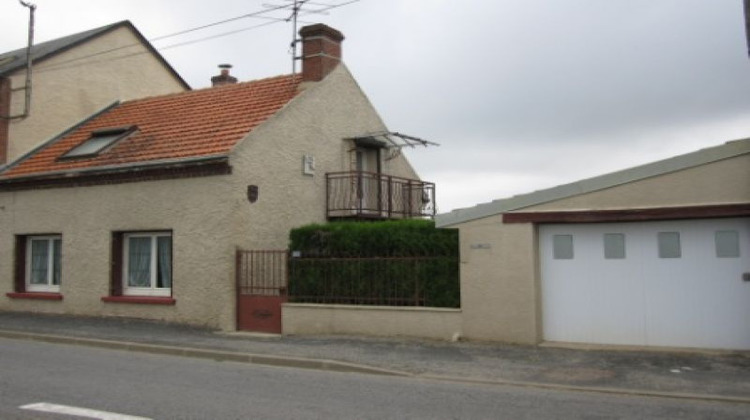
(368, 195)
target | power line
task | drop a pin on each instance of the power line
(63, 66)
(221, 22)
(254, 15)
(258, 14)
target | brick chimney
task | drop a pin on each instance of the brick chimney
(224, 78)
(321, 51)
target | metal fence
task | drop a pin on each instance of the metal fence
(262, 273)
(389, 281)
(378, 196)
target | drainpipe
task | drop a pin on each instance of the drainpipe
(27, 87)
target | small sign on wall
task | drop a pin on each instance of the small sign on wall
(308, 165)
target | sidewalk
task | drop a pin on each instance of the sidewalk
(711, 376)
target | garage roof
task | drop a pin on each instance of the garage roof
(677, 163)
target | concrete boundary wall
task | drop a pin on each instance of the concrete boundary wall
(432, 323)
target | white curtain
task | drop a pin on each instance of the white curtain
(39, 259)
(164, 253)
(139, 262)
(57, 259)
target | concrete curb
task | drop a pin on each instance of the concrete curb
(345, 367)
(218, 355)
(594, 389)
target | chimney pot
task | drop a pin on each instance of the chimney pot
(321, 51)
(223, 78)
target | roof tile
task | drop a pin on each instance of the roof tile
(197, 123)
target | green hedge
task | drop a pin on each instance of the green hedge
(400, 263)
(404, 238)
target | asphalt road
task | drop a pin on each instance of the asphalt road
(169, 387)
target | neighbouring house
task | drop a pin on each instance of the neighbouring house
(71, 78)
(139, 209)
(655, 255)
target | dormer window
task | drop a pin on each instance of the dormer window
(98, 142)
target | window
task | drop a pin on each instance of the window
(562, 247)
(669, 245)
(614, 246)
(42, 263)
(147, 264)
(99, 140)
(727, 244)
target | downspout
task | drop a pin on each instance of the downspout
(27, 87)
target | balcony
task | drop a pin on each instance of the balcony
(368, 195)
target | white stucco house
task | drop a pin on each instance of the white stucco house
(655, 255)
(72, 77)
(138, 209)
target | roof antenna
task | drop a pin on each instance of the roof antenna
(295, 11)
(27, 87)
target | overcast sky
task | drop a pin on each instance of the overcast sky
(521, 94)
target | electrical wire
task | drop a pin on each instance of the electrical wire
(221, 22)
(107, 51)
(61, 66)
(258, 14)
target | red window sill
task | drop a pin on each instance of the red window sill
(35, 295)
(147, 300)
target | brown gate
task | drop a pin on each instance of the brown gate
(262, 279)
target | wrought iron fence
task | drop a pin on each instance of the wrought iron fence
(378, 196)
(390, 281)
(262, 273)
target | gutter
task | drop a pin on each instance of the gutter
(116, 174)
(126, 167)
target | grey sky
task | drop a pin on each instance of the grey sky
(521, 94)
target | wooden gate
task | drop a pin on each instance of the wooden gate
(262, 279)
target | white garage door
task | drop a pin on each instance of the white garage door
(675, 283)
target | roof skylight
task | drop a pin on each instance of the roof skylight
(98, 142)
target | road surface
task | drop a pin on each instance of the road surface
(112, 382)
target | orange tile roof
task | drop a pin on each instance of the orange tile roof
(199, 123)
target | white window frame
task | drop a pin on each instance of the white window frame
(144, 291)
(49, 287)
(99, 141)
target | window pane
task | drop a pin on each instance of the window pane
(39, 261)
(669, 245)
(562, 247)
(94, 144)
(727, 244)
(164, 255)
(614, 246)
(139, 262)
(57, 259)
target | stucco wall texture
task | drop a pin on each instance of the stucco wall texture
(195, 212)
(500, 281)
(72, 85)
(209, 217)
(431, 323)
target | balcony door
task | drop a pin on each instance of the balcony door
(368, 181)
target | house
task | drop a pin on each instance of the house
(138, 210)
(655, 255)
(71, 78)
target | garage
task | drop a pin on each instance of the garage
(678, 283)
(652, 255)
